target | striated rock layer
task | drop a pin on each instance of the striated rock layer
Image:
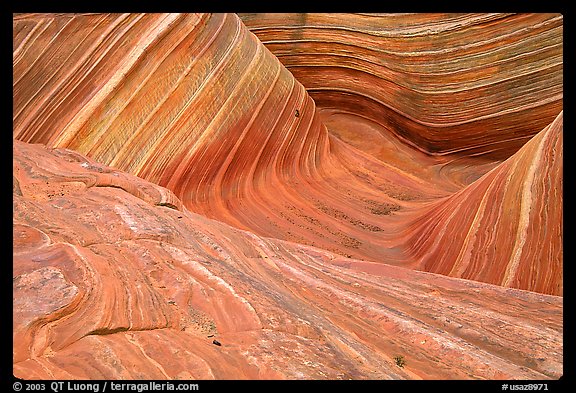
(474, 84)
(358, 187)
(197, 104)
(506, 227)
(114, 278)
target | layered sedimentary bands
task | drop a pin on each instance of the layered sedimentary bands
(321, 194)
(476, 84)
(113, 278)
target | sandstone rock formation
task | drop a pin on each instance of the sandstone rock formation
(112, 282)
(444, 83)
(310, 189)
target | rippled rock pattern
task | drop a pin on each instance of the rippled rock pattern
(445, 83)
(310, 189)
(110, 281)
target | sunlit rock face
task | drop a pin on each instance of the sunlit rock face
(115, 279)
(310, 189)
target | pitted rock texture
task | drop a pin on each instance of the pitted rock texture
(327, 188)
(110, 285)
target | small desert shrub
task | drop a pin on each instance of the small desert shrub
(399, 360)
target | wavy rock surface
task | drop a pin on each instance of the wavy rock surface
(115, 279)
(197, 104)
(477, 84)
(175, 178)
(506, 227)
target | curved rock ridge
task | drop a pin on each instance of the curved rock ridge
(445, 83)
(197, 104)
(506, 227)
(110, 284)
(229, 129)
